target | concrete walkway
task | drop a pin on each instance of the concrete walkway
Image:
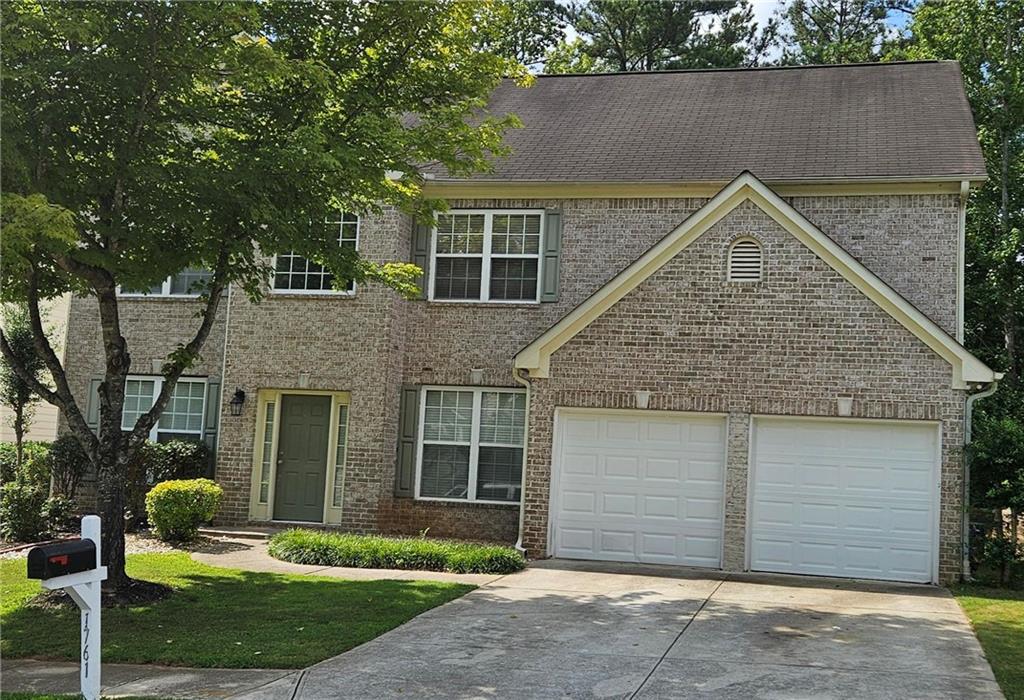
(565, 629)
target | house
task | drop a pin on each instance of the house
(704, 318)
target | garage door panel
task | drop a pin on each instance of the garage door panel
(859, 502)
(655, 495)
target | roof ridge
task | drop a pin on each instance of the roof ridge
(876, 64)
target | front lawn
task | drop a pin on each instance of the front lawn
(378, 552)
(997, 615)
(219, 617)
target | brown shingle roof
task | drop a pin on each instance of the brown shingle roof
(886, 120)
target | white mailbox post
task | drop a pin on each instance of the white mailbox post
(82, 583)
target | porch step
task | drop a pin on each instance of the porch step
(248, 532)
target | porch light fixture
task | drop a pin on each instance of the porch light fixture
(236, 402)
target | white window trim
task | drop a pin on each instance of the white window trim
(164, 293)
(474, 446)
(158, 384)
(319, 292)
(486, 257)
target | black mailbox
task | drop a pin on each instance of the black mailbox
(61, 558)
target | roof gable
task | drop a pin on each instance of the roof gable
(536, 356)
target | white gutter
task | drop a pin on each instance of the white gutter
(526, 449)
(966, 532)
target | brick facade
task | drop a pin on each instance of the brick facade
(816, 336)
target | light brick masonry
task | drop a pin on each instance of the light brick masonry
(785, 346)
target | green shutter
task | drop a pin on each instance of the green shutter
(408, 418)
(552, 254)
(421, 254)
(92, 405)
(212, 422)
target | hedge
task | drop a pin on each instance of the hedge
(375, 552)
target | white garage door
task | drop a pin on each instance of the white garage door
(637, 486)
(837, 498)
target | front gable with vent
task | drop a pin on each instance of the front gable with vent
(745, 258)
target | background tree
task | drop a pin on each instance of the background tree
(525, 30)
(144, 138)
(571, 56)
(645, 35)
(839, 31)
(991, 56)
(17, 393)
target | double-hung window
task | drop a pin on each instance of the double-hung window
(190, 282)
(489, 256)
(471, 444)
(294, 274)
(182, 418)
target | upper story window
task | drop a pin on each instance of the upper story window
(182, 418)
(487, 256)
(746, 261)
(190, 282)
(471, 444)
(295, 274)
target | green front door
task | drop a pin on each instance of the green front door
(302, 458)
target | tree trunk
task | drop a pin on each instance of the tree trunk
(111, 502)
(19, 436)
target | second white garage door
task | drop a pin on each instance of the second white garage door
(638, 486)
(844, 498)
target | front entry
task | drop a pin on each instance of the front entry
(302, 458)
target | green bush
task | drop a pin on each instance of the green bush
(22, 516)
(157, 462)
(58, 512)
(35, 469)
(68, 464)
(375, 552)
(177, 508)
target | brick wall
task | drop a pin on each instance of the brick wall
(373, 343)
(788, 345)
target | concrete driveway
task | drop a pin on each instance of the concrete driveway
(580, 629)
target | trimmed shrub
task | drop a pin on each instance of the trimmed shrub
(177, 508)
(58, 512)
(35, 469)
(375, 552)
(22, 518)
(157, 462)
(68, 464)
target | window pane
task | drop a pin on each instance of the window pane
(448, 416)
(502, 417)
(190, 281)
(184, 411)
(347, 227)
(268, 456)
(514, 278)
(445, 472)
(457, 278)
(339, 458)
(499, 474)
(460, 234)
(294, 272)
(138, 398)
(515, 233)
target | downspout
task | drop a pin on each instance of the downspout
(525, 381)
(965, 191)
(966, 533)
(223, 378)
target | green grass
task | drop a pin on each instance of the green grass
(374, 552)
(219, 617)
(997, 615)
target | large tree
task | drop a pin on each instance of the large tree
(143, 138)
(646, 35)
(991, 56)
(839, 31)
(525, 30)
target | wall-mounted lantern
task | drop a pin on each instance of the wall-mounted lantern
(236, 402)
